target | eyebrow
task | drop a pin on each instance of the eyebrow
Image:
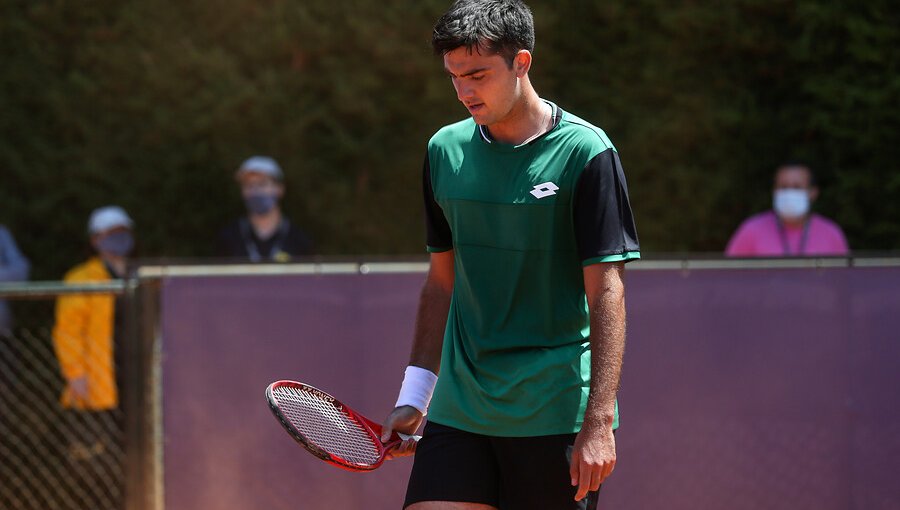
(467, 73)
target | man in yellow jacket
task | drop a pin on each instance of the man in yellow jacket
(84, 334)
(86, 339)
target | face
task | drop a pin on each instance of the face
(795, 177)
(485, 84)
(256, 183)
(115, 242)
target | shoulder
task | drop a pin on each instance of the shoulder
(452, 134)
(91, 270)
(582, 134)
(756, 226)
(759, 221)
(825, 224)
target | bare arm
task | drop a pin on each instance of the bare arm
(594, 454)
(431, 319)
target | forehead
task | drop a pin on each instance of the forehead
(113, 230)
(252, 178)
(792, 175)
(465, 59)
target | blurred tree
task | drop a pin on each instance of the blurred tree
(152, 105)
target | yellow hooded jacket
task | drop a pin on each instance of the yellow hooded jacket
(83, 340)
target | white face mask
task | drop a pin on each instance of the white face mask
(791, 204)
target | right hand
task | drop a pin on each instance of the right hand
(79, 388)
(406, 420)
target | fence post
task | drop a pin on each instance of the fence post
(138, 395)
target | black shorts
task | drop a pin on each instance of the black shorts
(509, 473)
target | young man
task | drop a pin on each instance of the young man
(522, 312)
(790, 229)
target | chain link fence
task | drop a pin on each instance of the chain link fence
(66, 444)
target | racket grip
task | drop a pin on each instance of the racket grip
(408, 436)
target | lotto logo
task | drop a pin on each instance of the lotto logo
(544, 189)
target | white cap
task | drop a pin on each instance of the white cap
(261, 164)
(105, 218)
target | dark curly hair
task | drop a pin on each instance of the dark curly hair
(501, 27)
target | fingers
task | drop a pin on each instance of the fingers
(402, 419)
(588, 477)
(575, 468)
(584, 481)
(607, 470)
(404, 448)
(387, 430)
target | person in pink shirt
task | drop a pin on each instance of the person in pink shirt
(790, 229)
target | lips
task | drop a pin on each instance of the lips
(474, 108)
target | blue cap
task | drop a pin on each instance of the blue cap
(105, 218)
(262, 165)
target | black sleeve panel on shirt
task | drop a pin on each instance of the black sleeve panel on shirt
(604, 224)
(439, 237)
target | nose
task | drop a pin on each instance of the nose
(463, 91)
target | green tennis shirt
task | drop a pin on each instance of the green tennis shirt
(522, 221)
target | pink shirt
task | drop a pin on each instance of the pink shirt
(762, 236)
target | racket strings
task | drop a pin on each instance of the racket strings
(327, 427)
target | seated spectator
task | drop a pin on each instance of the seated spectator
(14, 267)
(790, 228)
(265, 234)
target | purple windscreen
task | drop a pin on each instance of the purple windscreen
(326, 426)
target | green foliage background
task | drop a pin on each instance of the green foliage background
(152, 104)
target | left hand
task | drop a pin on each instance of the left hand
(593, 457)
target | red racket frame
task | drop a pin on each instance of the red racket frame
(374, 429)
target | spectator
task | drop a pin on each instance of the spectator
(790, 228)
(87, 326)
(14, 267)
(265, 233)
(87, 338)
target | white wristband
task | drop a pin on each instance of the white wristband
(418, 385)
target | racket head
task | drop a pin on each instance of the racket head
(325, 426)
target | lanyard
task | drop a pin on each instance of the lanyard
(784, 240)
(250, 243)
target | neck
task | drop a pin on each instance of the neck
(265, 225)
(794, 222)
(116, 263)
(528, 119)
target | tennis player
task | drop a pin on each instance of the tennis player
(522, 312)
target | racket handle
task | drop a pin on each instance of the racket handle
(408, 436)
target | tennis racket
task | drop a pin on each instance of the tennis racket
(327, 428)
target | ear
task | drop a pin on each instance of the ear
(522, 63)
(813, 194)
